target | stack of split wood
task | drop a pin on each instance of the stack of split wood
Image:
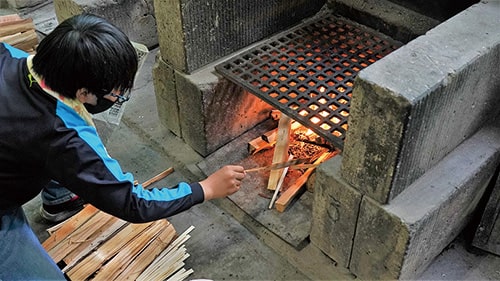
(18, 32)
(93, 245)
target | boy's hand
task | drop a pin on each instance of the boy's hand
(223, 182)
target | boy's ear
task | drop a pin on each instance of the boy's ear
(81, 94)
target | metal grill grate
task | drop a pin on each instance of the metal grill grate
(308, 73)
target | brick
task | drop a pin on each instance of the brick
(400, 239)
(399, 130)
(134, 18)
(193, 34)
(335, 211)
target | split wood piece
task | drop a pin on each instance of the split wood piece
(167, 257)
(14, 26)
(258, 144)
(127, 254)
(9, 18)
(146, 257)
(68, 226)
(25, 41)
(180, 275)
(96, 259)
(80, 235)
(287, 196)
(98, 237)
(280, 150)
(280, 183)
(158, 177)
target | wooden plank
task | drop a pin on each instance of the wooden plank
(96, 259)
(9, 18)
(287, 196)
(151, 252)
(69, 226)
(128, 253)
(16, 26)
(22, 40)
(281, 150)
(97, 238)
(79, 236)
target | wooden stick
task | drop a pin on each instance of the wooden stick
(281, 150)
(158, 177)
(280, 183)
(287, 196)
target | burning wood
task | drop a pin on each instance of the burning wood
(302, 145)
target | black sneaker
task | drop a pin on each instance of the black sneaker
(59, 212)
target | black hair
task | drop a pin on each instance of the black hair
(86, 51)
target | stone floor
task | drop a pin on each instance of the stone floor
(223, 246)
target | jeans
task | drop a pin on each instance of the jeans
(22, 257)
(54, 194)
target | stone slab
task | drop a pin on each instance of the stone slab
(335, 212)
(398, 130)
(294, 224)
(193, 34)
(134, 18)
(400, 239)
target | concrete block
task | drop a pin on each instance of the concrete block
(487, 235)
(166, 95)
(400, 129)
(203, 109)
(335, 212)
(385, 16)
(214, 111)
(195, 33)
(399, 240)
(134, 18)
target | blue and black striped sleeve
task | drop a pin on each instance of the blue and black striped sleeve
(80, 162)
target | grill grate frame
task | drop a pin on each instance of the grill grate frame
(308, 72)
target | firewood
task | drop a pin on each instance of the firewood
(281, 150)
(16, 26)
(65, 228)
(146, 257)
(90, 264)
(97, 238)
(9, 18)
(287, 196)
(280, 183)
(258, 144)
(158, 177)
(22, 40)
(80, 235)
(128, 253)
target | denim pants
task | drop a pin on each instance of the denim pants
(22, 257)
(53, 194)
